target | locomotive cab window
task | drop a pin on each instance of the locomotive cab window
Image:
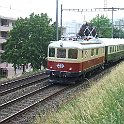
(72, 53)
(51, 52)
(61, 53)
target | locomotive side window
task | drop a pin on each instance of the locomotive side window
(103, 50)
(72, 53)
(86, 53)
(82, 54)
(61, 53)
(97, 50)
(51, 52)
(92, 52)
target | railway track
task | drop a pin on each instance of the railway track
(14, 85)
(15, 107)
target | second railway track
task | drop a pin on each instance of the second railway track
(11, 86)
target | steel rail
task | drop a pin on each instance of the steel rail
(12, 86)
(19, 78)
(4, 120)
(23, 96)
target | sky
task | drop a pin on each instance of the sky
(23, 8)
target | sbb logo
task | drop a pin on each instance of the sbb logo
(60, 65)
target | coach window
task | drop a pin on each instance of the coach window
(72, 53)
(61, 53)
(51, 52)
(117, 48)
(121, 47)
(110, 50)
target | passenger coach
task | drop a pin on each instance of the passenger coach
(114, 49)
(69, 60)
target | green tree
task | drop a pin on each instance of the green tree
(118, 33)
(28, 41)
(103, 26)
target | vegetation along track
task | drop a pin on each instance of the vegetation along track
(20, 83)
(23, 103)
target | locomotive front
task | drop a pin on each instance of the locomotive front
(63, 63)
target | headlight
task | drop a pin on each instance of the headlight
(51, 67)
(70, 68)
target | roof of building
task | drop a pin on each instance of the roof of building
(8, 18)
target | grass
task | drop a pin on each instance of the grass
(103, 103)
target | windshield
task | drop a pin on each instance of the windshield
(61, 53)
(51, 52)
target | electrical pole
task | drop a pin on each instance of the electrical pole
(61, 20)
(56, 20)
(105, 3)
(112, 23)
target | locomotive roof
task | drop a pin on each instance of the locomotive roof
(80, 44)
(84, 44)
(112, 41)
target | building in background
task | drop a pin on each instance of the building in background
(6, 24)
(71, 28)
(119, 23)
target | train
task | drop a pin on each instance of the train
(71, 60)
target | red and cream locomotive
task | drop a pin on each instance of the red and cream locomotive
(69, 60)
